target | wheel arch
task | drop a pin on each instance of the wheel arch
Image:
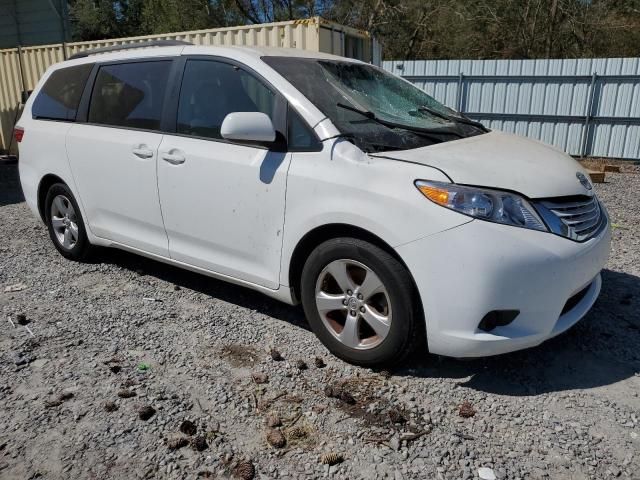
(43, 187)
(322, 233)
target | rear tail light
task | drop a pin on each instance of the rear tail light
(18, 133)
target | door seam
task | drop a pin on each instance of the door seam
(164, 226)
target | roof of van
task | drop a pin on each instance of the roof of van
(277, 52)
(224, 51)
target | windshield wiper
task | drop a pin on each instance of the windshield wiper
(444, 116)
(364, 113)
(372, 116)
(356, 140)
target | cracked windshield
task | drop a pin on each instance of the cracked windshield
(374, 109)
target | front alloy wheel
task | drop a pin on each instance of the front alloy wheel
(361, 302)
(353, 304)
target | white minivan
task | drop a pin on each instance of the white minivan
(400, 224)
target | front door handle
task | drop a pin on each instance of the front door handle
(173, 158)
(142, 152)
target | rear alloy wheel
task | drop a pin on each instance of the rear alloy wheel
(361, 303)
(65, 224)
(64, 221)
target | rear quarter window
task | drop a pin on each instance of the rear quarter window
(59, 97)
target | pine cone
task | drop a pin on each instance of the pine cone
(275, 355)
(146, 412)
(347, 398)
(273, 420)
(331, 391)
(177, 441)
(466, 410)
(296, 433)
(260, 377)
(110, 406)
(332, 458)
(125, 393)
(199, 443)
(396, 416)
(276, 438)
(301, 365)
(319, 362)
(59, 400)
(244, 470)
(188, 427)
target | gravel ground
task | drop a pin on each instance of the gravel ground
(107, 360)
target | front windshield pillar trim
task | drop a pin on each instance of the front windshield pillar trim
(325, 129)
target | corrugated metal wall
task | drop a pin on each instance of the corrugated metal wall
(314, 34)
(587, 107)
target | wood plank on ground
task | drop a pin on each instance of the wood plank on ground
(596, 177)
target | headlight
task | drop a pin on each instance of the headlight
(485, 204)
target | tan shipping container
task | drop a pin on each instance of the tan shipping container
(21, 68)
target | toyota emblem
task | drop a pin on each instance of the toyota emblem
(584, 181)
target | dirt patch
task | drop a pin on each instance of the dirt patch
(357, 397)
(240, 356)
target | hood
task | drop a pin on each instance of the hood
(503, 161)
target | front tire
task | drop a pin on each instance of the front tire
(65, 223)
(361, 303)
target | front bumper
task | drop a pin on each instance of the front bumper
(465, 272)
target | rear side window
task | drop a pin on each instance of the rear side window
(211, 90)
(59, 97)
(130, 94)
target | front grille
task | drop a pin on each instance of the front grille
(578, 218)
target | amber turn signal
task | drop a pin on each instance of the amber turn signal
(438, 195)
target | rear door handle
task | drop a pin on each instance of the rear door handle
(173, 158)
(142, 151)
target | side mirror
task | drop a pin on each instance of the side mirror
(248, 127)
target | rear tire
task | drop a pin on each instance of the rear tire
(361, 303)
(65, 223)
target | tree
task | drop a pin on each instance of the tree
(163, 16)
(406, 28)
(94, 19)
